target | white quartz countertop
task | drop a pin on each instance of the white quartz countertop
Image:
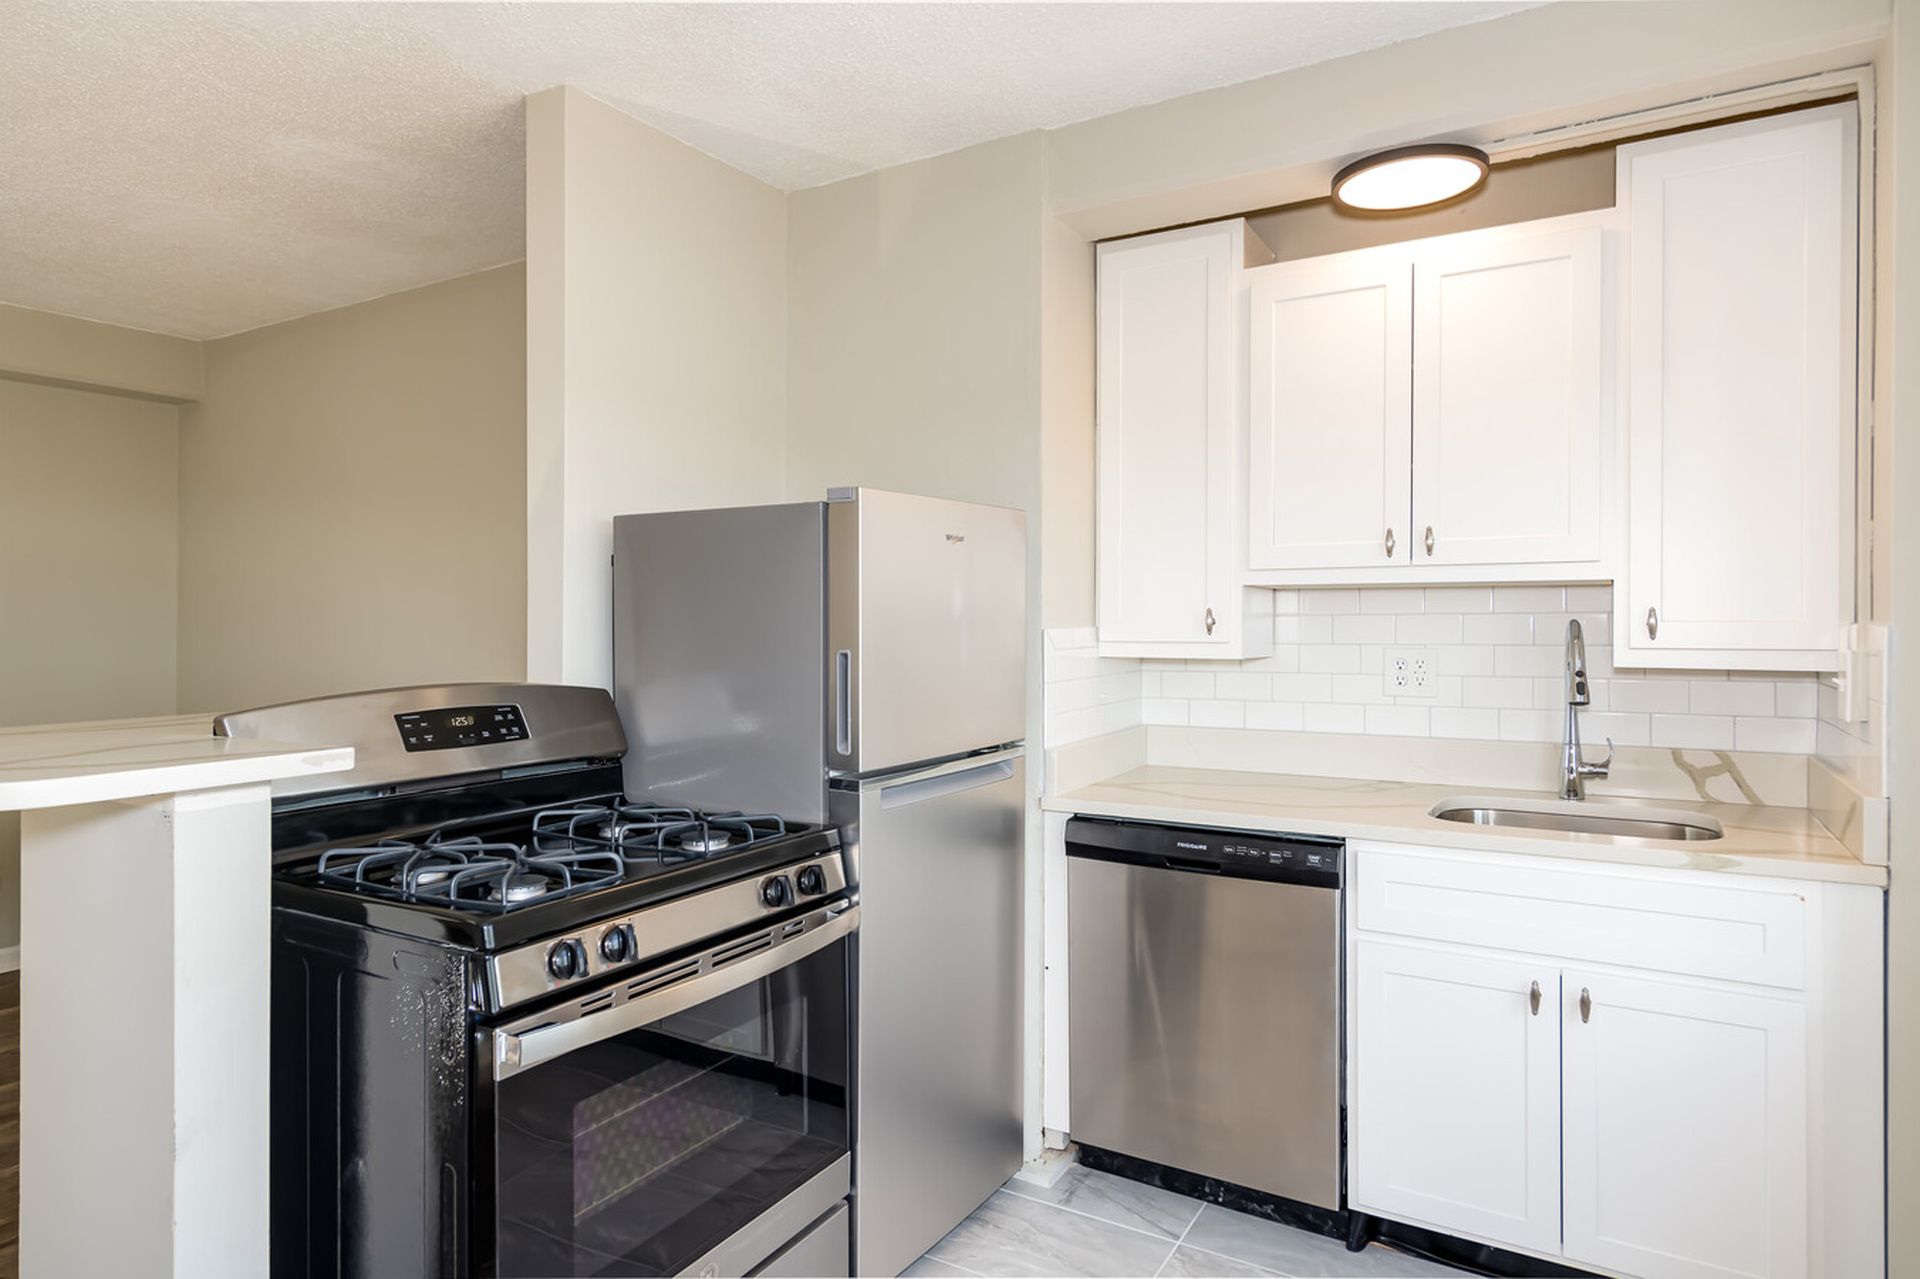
(1787, 843)
(60, 764)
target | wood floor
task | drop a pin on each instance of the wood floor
(9, 1125)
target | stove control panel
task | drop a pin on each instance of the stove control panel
(592, 953)
(450, 727)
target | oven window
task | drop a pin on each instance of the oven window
(638, 1154)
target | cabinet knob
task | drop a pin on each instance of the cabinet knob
(1209, 621)
(1429, 540)
(1533, 999)
(1586, 1004)
(1389, 543)
(1653, 623)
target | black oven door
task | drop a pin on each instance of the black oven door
(689, 1117)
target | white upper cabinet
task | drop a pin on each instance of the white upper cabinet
(1331, 449)
(1508, 399)
(1170, 446)
(1438, 410)
(1741, 310)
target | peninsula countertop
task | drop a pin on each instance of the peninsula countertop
(58, 764)
(1786, 843)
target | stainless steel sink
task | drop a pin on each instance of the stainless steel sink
(1580, 818)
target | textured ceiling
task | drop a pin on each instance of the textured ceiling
(204, 168)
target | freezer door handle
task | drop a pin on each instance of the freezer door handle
(843, 701)
(901, 794)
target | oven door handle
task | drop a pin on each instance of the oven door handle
(518, 1050)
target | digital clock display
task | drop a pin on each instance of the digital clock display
(451, 727)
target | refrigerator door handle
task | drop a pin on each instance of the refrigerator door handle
(843, 701)
(900, 794)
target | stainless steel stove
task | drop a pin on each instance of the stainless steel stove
(526, 1026)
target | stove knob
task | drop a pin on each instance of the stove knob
(616, 944)
(567, 960)
(811, 881)
(776, 892)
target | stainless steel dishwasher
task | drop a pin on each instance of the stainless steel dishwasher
(1204, 994)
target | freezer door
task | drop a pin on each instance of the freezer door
(717, 630)
(937, 968)
(926, 629)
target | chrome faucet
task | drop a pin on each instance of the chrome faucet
(1574, 770)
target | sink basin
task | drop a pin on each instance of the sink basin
(1579, 817)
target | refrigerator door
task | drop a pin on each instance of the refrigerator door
(937, 1124)
(717, 630)
(926, 630)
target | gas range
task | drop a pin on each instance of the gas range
(528, 1026)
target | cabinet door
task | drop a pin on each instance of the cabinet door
(1507, 399)
(1456, 1108)
(1165, 441)
(1686, 1130)
(1741, 408)
(1330, 419)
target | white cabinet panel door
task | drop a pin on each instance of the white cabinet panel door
(1507, 399)
(1166, 438)
(1686, 1130)
(1330, 416)
(1741, 319)
(1456, 1106)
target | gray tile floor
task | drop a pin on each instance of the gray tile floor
(1093, 1223)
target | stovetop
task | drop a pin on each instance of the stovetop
(503, 862)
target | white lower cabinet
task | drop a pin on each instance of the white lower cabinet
(1678, 1101)
(1461, 1081)
(1685, 1128)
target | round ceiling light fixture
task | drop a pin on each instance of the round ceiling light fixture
(1410, 177)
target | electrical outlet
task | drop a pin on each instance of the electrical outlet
(1411, 672)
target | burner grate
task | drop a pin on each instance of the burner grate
(467, 872)
(646, 832)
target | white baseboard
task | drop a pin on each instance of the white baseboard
(9, 959)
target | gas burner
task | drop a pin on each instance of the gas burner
(649, 833)
(466, 872)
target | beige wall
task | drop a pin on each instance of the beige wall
(353, 498)
(43, 347)
(656, 354)
(88, 568)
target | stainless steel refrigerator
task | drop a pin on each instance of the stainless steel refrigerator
(862, 661)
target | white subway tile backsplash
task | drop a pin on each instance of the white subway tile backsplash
(1303, 688)
(1731, 697)
(1285, 717)
(1499, 675)
(1363, 628)
(1186, 684)
(1302, 629)
(1329, 601)
(1428, 628)
(1459, 599)
(1497, 692)
(1784, 736)
(1397, 721)
(1529, 599)
(1330, 658)
(1335, 719)
(1795, 699)
(1664, 696)
(1465, 721)
(1241, 687)
(1694, 732)
(1394, 599)
(1529, 659)
(1497, 628)
(1217, 714)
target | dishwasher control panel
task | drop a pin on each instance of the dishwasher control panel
(1301, 859)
